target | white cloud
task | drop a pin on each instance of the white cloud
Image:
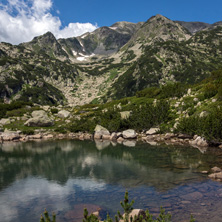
(21, 20)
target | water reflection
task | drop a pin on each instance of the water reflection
(62, 175)
(161, 167)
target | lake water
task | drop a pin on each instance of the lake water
(65, 176)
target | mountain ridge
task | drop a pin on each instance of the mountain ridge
(108, 63)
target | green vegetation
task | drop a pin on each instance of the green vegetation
(142, 117)
(209, 127)
(43, 93)
(16, 108)
(46, 217)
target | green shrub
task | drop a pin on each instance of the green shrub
(61, 130)
(46, 217)
(17, 105)
(209, 126)
(210, 90)
(16, 112)
(83, 125)
(54, 110)
(28, 131)
(151, 92)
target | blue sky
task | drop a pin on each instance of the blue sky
(21, 20)
(107, 12)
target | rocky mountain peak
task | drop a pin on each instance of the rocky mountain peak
(47, 43)
(46, 38)
(158, 29)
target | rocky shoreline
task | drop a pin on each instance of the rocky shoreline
(151, 137)
(40, 118)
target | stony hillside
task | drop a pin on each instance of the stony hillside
(109, 63)
(33, 76)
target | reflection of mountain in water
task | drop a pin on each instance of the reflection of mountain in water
(161, 167)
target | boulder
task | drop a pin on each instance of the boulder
(35, 137)
(97, 136)
(119, 134)
(5, 121)
(216, 176)
(106, 137)
(81, 137)
(169, 136)
(63, 114)
(9, 136)
(113, 136)
(101, 131)
(199, 141)
(216, 169)
(49, 136)
(39, 118)
(46, 108)
(88, 136)
(152, 131)
(129, 134)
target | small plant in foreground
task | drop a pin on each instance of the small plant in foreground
(127, 207)
(46, 217)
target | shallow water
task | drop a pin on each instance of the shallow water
(65, 176)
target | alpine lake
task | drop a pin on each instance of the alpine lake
(65, 176)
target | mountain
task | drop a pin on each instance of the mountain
(110, 62)
(26, 74)
(194, 27)
(102, 41)
(48, 44)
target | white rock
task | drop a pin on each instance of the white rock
(5, 121)
(125, 114)
(195, 99)
(152, 131)
(40, 118)
(63, 114)
(129, 134)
